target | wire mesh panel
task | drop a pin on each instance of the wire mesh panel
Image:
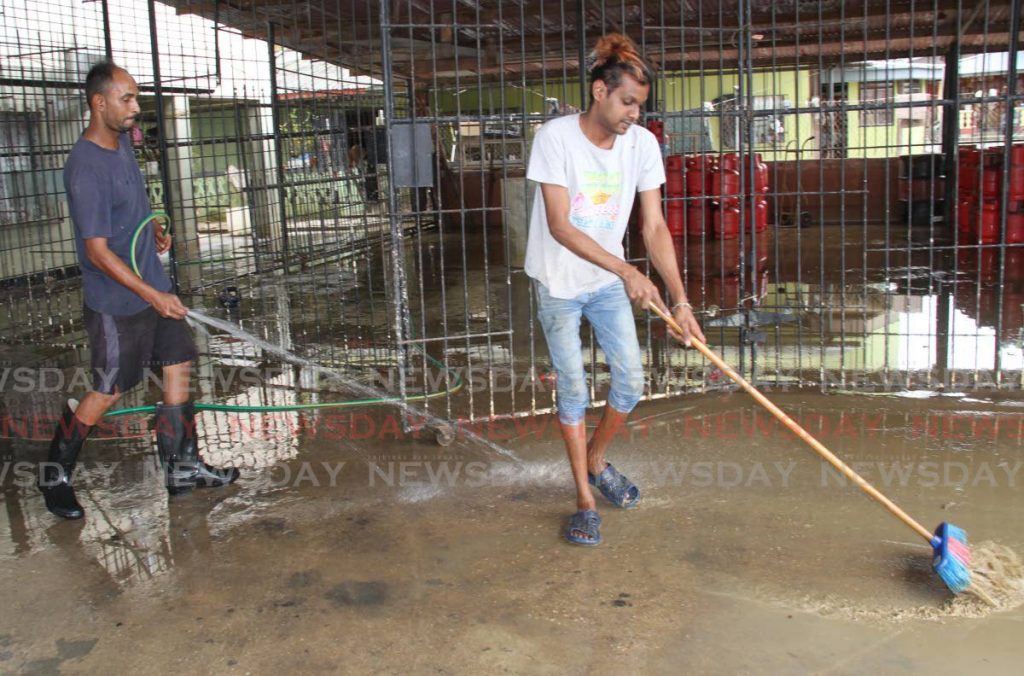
(845, 181)
(46, 52)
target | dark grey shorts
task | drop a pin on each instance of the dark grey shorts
(124, 348)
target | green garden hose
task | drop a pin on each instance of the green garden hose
(458, 384)
(138, 231)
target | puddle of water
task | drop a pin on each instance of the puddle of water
(715, 554)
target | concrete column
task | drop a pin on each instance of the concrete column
(178, 127)
(260, 161)
(517, 198)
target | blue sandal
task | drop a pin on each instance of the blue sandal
(615, 487)
(587, 522)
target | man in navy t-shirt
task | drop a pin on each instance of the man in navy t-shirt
(134, 322)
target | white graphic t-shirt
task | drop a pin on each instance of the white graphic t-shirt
(602, 185)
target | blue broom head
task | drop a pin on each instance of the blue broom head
(952, 557)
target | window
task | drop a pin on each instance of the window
(873, 94)
(911, 87)
(769, 130)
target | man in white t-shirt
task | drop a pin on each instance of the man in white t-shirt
(589, 168)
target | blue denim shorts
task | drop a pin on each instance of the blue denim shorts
(610, 313)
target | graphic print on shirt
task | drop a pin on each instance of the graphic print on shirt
(596, 205)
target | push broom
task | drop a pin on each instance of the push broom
(949, 543)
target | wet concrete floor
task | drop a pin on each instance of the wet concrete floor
(348, 547)
(746, 554)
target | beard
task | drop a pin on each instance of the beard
(123, 125)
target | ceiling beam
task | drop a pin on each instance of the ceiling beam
(788, 56)
(525, 31)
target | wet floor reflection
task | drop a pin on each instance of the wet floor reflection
(735, 510)
(990, 289)
(781, 306)
(881, 316)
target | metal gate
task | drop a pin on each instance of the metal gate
(354, 173)
(862, 278)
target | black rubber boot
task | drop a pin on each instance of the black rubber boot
(177, 444)
(55, 474)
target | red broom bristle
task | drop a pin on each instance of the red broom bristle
(960, 550)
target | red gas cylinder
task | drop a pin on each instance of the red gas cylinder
(657, 127)
(676, 225)
(727, 223)
(761, 175)
(756, 182)
(675, 186)
(1016, 178)
(762, 242)
(968, 180)
(696, 215)
(988, 233)
(991, 183)
(993, 158)
(695, 176)
(1017, 153)
(967, 218)
(1014, 231)
(700, 183)
(761, 215)
(725, 183)
(729, 162)
(970, 159)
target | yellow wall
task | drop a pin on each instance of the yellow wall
(887, 141)
(487, 100)
(689, 91)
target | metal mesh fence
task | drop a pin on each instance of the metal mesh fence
(846, 182)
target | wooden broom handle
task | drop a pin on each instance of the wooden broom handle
(796, 429)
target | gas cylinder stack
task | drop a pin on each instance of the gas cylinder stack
(699, 173)
(756, 201)
(675, 192)
(982, 173)
(673, 183)
(705, 195)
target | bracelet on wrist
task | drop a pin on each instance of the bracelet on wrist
(682, 304)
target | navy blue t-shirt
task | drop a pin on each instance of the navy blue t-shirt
(107, 198)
